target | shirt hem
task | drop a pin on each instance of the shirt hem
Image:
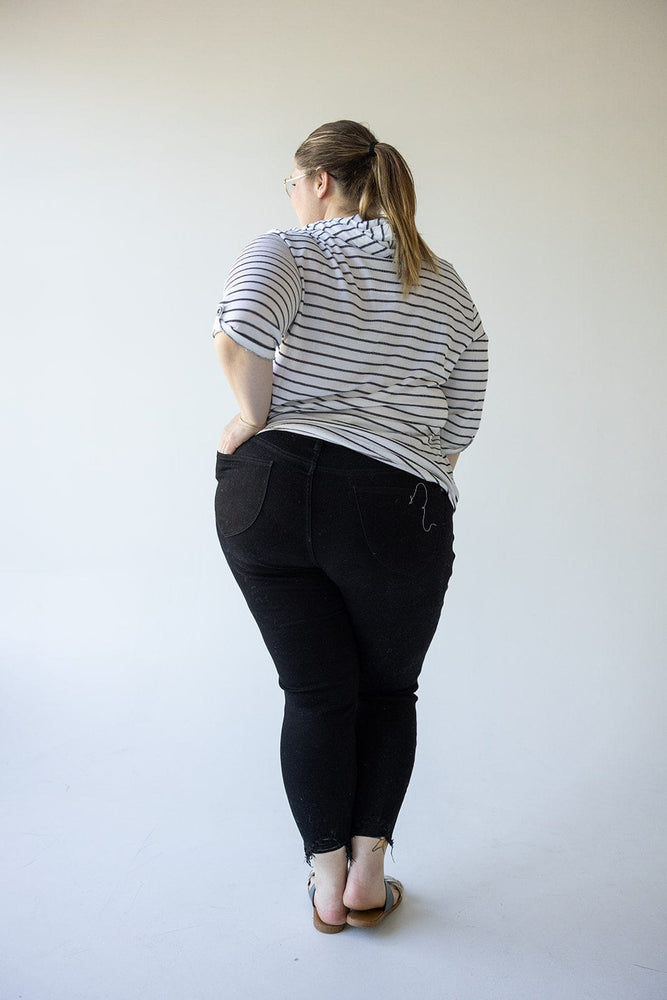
(333, 435)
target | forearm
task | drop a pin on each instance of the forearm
(453, 459)
(250, 378)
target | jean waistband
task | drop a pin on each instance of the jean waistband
(333, 457)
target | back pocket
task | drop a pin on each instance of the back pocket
(242, 486)
(408, 527)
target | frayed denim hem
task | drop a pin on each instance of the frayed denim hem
(326, 845)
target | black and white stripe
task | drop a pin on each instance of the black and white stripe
(355, 363)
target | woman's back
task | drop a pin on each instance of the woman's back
(399, 378)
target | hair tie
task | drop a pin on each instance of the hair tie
(371, 149)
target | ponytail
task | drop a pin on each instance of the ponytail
(376, 180)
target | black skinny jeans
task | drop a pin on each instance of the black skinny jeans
(344, 562)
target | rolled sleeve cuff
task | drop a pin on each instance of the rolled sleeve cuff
(245, 340)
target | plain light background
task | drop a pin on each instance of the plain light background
(148, 850)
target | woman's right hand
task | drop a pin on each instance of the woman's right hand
(236, 432)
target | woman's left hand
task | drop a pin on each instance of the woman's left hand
(235, 433)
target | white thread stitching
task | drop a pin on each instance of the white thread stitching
(432, 524)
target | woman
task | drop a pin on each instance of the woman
(358, 362)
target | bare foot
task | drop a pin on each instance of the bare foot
(365, 894)
(329, 873)
(365, 886)
(328, 901)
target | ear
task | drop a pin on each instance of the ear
(323, 184)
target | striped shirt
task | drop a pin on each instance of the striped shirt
(355, 363)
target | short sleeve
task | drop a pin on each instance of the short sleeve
(261, 296)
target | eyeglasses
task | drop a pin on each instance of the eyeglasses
(290, 183)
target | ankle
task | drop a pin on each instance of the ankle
(330, 868)
(368, 853)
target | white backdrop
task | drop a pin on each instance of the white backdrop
(145, 144)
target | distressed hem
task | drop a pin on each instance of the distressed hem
(327, 845)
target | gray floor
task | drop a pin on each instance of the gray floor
(128, 874)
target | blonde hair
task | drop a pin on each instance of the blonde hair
(375, 178)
